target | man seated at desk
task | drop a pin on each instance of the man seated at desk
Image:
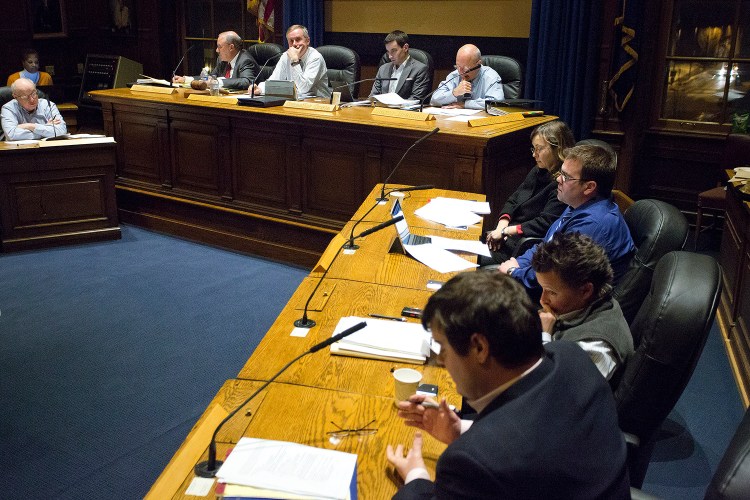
(577, 303)
(411, 75)
(300, 64)
(235, 68)
(547, 424)
(28, 117)
(470, 84)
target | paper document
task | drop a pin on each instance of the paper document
(471, 246)
(741, 174)
(383, 339)
(150, 80)
(452, 212)
(393, 100)
(451, 111)
(289, 467)
(438, 259)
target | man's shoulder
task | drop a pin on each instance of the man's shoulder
(488, 72)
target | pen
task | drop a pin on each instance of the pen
(381, 316)
(429, 404)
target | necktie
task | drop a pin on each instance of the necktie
(228, 73)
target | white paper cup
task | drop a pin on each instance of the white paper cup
(407, 381)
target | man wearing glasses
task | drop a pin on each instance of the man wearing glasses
(28, 117)
(585, 185)
(470, 84)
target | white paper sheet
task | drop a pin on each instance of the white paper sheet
(393, 100)
(383, 337)
(438, 259)
(451, 111)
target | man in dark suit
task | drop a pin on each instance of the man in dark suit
(546, 424)
(412, 78)
(234, 68)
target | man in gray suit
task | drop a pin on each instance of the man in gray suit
(412, 80)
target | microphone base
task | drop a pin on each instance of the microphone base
(304, 323)
(350, 245)
(202, 470)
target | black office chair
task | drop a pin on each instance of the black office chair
(421, 56)
(343, 70)
(262, 52)
(510, 73)
(669, 333)
(657, 228)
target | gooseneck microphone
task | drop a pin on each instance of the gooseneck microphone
(181, 59)
(423, 138)
(211, 466)
(348, 85)
(252, 84)
(445, 82)
(52, 118)
(304, 321)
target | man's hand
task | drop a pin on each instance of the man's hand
(412, 460)
(512, 262)
(27, 126)
(178, 79)
(294, 54)
(442, 423)
(54, 121)
(462, 88)
(548, 321)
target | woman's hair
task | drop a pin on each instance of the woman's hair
(558, 136)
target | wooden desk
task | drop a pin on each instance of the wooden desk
(303, 412)
(280, 182)
(333, 300)
(57, 192)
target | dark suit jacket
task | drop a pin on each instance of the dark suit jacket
(413, 83)
(553, 434)
(245, 72)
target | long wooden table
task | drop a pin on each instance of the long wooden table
(280, 182)
(323, 388)
(56, 192)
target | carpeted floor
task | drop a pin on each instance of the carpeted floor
(111, 351)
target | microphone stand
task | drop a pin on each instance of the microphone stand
(252, 85)
(304, 321)
(382, 190)
(348, 85)
(182, 59)
(209, 467)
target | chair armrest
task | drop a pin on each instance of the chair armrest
(524, 243)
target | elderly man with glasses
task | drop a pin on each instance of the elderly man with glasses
(470, 84)
(585, 185)
(28, 117)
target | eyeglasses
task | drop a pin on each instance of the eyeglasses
(536, 151)
(565, 177)
(33, 95)
(465, 69)
(341, 433)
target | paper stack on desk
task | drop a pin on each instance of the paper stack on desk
(262, 468)
(383, 339)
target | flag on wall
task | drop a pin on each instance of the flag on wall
(263, 10)
(622, 83)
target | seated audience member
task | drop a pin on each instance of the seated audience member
(28, 117)
(534, 206)
(235, 68)
(30, 61)
(547, 425)
(470, 84)
(577, 303)
(585, 185)
(301, 64)
(412, 80)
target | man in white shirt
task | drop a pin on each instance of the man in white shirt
(300, 64)
(28, 117)
(470, 84)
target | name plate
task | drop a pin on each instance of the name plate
(402, 113)
(494, 120)
(312, 106)
(152, 89)
(212, 98)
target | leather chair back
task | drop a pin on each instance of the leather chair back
(669, 333)
(736, 151)
(421, 56)
(656, 228)
(343, 70)
(731, 481)
(510, 72)
(262, 52)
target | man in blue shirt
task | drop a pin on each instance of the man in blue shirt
(470, 84)
(585, 185)
(28, 117)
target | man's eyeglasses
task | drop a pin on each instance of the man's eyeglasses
(341, 433)
(27, 97)
(565, 177)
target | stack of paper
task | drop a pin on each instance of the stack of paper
(393, 100)
(383, 339)
(741, 174)
(452, 212)
(261, 468)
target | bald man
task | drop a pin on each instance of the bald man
(470, 84)
(235, 68)
(28, 117)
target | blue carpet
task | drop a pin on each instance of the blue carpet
(111, 351)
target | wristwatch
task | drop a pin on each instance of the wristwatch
(510, 270)
(295, 63)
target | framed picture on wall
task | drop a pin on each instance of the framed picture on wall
(122, 17)
(48, 18)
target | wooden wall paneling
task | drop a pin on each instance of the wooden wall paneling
(140, 143)
(730, 256)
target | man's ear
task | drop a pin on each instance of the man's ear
(479, 347)
(587, 291)
(590, 188)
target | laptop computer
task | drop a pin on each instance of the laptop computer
(403, 228)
